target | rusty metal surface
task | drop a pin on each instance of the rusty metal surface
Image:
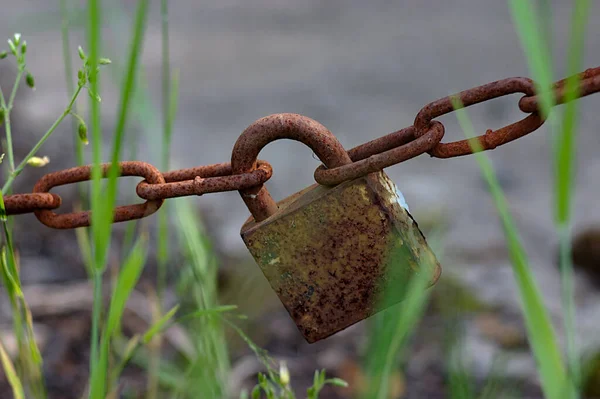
(202, 180)
(338, 166)
(477, 95)
(26, 203)
(83, 173)
(382, 160)
(155, 188)
(589, 84)
(330, 252)
(275, 127)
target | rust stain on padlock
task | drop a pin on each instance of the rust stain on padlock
(329, 252)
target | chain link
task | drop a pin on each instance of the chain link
(26, 203)
(202, 180)
(424, 136)
(84, 173)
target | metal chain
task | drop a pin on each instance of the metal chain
(424, 136)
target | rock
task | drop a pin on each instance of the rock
(586, 252)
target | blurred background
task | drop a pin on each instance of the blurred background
(362, 69)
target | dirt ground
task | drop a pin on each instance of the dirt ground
(363, 69)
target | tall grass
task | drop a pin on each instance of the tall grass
(540, 330)
(557, 381)
(562, 138)
(390, 330)
(203, 370)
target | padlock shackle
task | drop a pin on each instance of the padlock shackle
(274, 127)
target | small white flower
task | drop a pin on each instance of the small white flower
(284, 373)
(38, 162)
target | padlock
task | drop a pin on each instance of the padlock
(330, 252)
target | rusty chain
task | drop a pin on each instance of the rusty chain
(247, 174)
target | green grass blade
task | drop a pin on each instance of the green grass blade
(563, 145)
(128, 278)
(96, 198)
(533, 43)
(69, 76)
(11, 374)
(85, 247)
(127, 91)
(98, 382)
(391, 329)
(169, 376)
(163, 227)
(167, 95)
(105, 224)
(159, 325)
(567, 138)
(564, 176)
(537, 320)
(169, 107)
(126, 281)
(545, 9)
(461, 385)
(494, 387)
(206, 375)
(397, 323)
(212, 311)
(30, 359)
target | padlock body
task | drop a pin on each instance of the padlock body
(330, 253)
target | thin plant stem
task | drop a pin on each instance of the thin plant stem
(68, 62)
(39, 144)
(9, 146)
(565, 155)
(7, 109)
(96, 314)
(94, 10)
(167, 130)
(163, 233)
(568, 294)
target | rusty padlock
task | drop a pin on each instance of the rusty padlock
(329, 252)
